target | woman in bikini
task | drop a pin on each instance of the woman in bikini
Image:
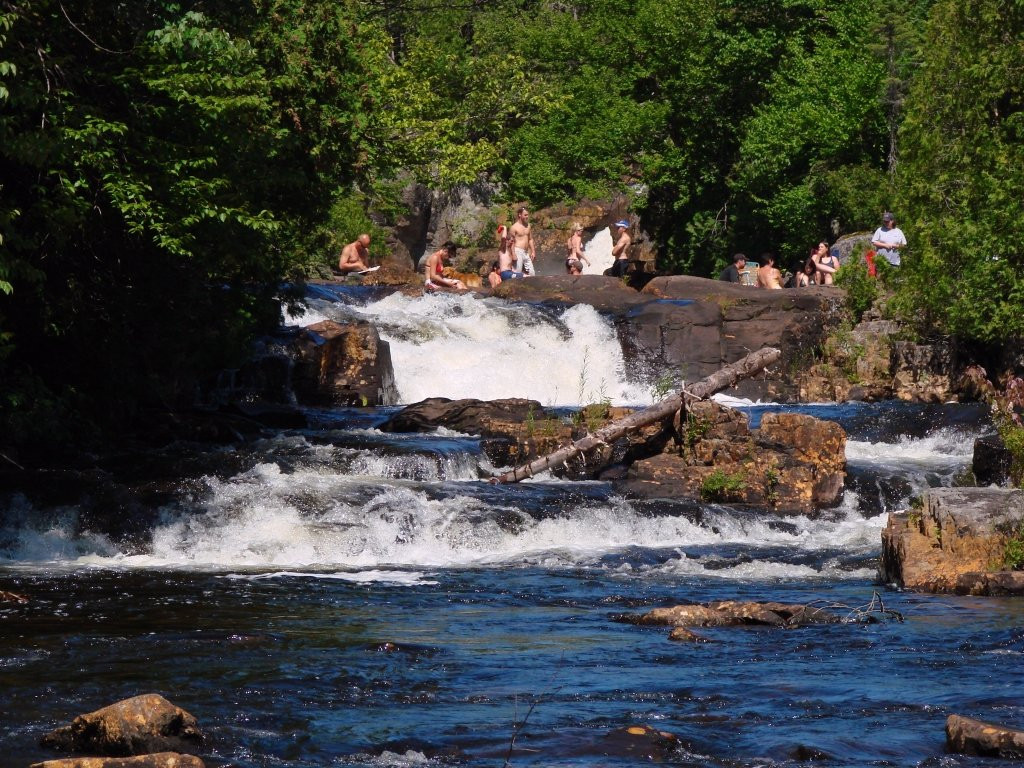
(825, 263)
(434, 268)
(574, 256)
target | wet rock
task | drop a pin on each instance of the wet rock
(684, 635)
(343, 365)
(606, 294)
(955, 543)
(808, 754)
(792, 462)
(640, 742)
(730, 613)
(158, 760)
(12, 597)
(135, 726)
(992, 461)
(966, 736)
(468, 415)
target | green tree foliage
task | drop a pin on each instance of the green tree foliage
(160, 167)
(962, 172)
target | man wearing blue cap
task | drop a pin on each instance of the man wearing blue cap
(620, 251)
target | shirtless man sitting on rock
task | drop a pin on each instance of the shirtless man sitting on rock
(767, 275)
(355, 257)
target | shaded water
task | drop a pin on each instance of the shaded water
(342, 596)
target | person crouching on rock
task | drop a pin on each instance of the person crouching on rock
(494, 276)
(434, 268)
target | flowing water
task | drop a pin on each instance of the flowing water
(341, 596)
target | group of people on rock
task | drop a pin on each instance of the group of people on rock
(821, 264)
(517, 252)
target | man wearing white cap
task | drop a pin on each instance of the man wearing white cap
(620, 251)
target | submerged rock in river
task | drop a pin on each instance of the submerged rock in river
(731, 613)
(157, 760)
(957, 542)
(135, 726)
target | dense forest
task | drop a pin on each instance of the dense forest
(165, 165)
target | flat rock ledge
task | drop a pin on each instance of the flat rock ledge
(966, 736)
(729, 613)
(955, 543)
(157, 760)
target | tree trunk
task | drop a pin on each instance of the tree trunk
(721, 379)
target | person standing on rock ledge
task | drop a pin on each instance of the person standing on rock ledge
(620, 251)
(522, 242)
(355, 257)
(888, 239)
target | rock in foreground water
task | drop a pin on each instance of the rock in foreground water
(135, 726)
(731, 613)
(158, 760)
(967, 736)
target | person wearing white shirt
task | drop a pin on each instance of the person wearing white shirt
(888, 239)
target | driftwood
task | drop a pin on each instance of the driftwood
(725, 377)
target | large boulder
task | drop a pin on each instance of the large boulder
(967, 736)
(696, 326)
(992, 461)
(794, 462)
(956, 542)
(158, 760)
(343, 365)
(135, 726)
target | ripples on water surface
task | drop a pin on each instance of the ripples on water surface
(339, 596)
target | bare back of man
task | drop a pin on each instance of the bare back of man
(355, 257)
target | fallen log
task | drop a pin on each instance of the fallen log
(725, 377)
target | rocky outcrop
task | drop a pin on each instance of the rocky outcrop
(342, 365)
(966, 736)
(695, 326)
(793, 462)
(158, 760)
(957, 542)
(922, 373)
(137, 726)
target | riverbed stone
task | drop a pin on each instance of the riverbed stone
(991, 461)
(955, 542)
(346, 364)
(733, 613)
(157, 760)
(967, 736)
(137, 726)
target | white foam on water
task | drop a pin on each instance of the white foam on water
(400, 578)
(459, 346)
(942, 447)
(317, 522)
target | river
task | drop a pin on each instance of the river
(337, 595)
